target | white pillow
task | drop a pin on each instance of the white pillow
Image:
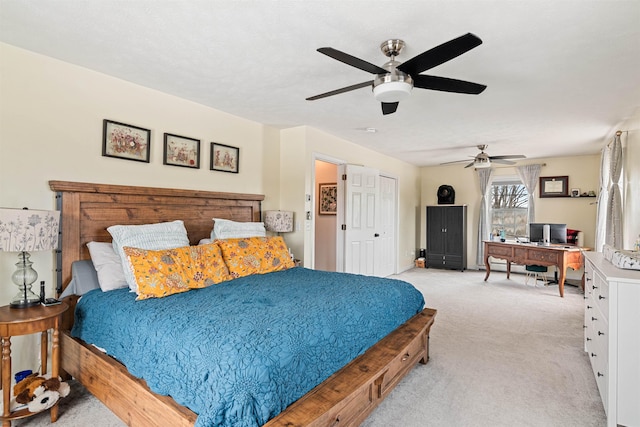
(227, 229)
(164, 235)
(108, 266)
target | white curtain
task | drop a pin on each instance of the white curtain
(529, 175)
(484, 228)
(614, 199)
(603, 196)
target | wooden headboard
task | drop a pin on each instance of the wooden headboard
(88, 209)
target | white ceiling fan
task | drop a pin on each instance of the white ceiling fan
(483, 160)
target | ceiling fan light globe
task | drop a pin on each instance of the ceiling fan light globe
(392, 91)
(482, 163)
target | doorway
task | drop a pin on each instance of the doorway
(326, 224)
(329, 241)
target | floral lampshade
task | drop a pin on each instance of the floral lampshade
(24, 231)
(278, 221)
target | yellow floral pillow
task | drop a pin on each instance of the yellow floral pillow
(165, 272)
(255, 255)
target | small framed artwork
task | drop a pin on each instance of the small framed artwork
(554, 186)
(181, 151)
(224, 158)
(125, 141)
(328, 199)
(575, 192)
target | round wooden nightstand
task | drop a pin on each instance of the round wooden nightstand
(24, 321)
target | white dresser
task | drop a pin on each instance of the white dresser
(612, 337)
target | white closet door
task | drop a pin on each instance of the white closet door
(362, 243)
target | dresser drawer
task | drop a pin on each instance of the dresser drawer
(602, 298)
(598, 349)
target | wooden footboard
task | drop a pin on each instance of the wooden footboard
(351, 394)
(345, 398)
(125, 395)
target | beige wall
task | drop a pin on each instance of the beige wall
(580, 213)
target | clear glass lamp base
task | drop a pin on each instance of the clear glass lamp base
(25, 299)
(23, 277)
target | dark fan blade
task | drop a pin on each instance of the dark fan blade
(440, 54)
(389, 107)
(470, 164)
(352, 60)
(515, 156)
(455, 161)
(343, 90)
(502, 161)
(447, 85)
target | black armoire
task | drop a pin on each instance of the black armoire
(447, 237)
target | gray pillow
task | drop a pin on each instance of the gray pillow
(83, 279)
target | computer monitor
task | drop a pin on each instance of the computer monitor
(557, 232)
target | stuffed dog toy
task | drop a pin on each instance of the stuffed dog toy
(40, 393)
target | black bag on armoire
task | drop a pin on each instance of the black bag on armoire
(446, 195)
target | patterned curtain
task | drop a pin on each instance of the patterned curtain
(484, 228)
(529, 175)
(614, 200)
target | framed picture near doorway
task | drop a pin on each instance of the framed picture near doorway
(327, 198)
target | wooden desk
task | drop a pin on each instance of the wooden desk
(561, 256)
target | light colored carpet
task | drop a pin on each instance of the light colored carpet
(502, 354)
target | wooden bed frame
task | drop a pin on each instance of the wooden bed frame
(345, 398)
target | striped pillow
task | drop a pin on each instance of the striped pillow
(164, 235)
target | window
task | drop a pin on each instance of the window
(509, 206)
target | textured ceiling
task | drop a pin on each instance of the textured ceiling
(561, 75)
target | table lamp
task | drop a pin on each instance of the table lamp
(26, 230)
(278, 221)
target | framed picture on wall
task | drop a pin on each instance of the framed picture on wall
(327, 199)
(224, 158)
(125, 141)
(554, 186)
(181, 151)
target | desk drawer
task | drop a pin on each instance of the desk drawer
(500, 251)
(549, 256)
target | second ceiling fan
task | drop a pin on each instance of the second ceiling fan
(394, 80)
(483, 160)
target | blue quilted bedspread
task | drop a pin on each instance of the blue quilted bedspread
(240, 352)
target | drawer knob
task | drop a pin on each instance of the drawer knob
(593, 355)
(594, 287)
(589, 307)
(405, 357)
(601, 297)
(336, 422)
(600, 375)
(600, 333)
(588, 339)
(593, 319)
